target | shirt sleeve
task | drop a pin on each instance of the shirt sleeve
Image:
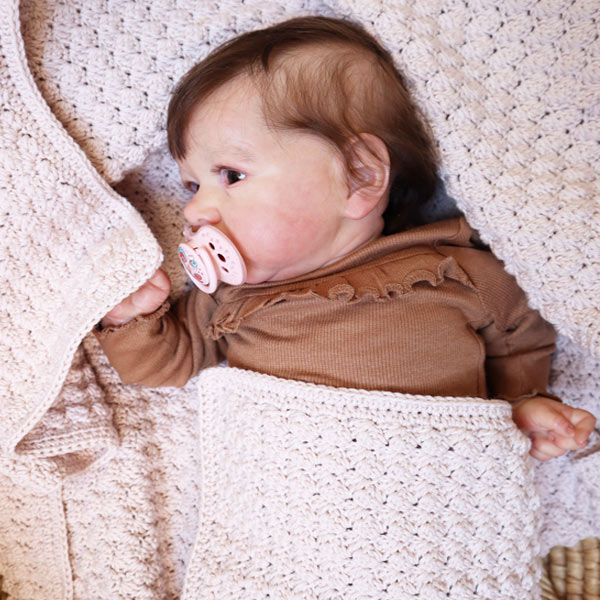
(519, 355)
(165, 348)
(518, 342)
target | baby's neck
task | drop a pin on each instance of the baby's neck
(357, 234)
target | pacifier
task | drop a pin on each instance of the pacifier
(209, 256)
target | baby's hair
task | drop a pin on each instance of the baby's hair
(347, 86)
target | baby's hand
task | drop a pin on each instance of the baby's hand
(143, 301)
(554, 428)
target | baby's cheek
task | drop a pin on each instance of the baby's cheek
(255, 239)
(298, 236)
(281, 237)
(275, 245)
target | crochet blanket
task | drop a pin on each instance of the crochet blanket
(241, 485)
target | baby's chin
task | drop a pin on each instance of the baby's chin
(255, 276)
(262, 277)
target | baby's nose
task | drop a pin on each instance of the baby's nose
(198, 215)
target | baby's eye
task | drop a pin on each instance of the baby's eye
(231, 176)
(190, 186)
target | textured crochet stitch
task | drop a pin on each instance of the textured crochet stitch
(105, 487)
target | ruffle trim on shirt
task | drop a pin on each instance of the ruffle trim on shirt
(346, 291)
(380, 282)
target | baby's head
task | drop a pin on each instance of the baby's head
(318, 86)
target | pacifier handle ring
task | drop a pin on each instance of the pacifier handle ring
(211, 285)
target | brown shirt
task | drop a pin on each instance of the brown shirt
(426, 311)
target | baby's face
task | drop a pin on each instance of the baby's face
(279, 196)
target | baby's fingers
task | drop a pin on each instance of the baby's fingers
(145, 300)
(584, 423)
(555, 418)
(152, 294)
(543, 448)
(564, 442)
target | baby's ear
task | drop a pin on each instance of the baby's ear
(370, 175)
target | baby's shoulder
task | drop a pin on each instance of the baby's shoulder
(457, 250)
(439, 245)
(497, 290)
(484, 269)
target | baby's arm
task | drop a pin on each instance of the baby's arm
(518, 367)
(553, 427)
(152, 343)
(519, 344)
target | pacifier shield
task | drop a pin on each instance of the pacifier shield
(227, 260)
(208, 256)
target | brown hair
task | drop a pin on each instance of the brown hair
(349, 87)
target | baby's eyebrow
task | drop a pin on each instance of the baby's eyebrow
(222, 155)
(243, 152)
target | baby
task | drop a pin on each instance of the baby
(301, 145)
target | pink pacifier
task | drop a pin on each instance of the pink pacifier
(209, 256)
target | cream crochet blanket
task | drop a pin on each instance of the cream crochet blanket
(241, 485)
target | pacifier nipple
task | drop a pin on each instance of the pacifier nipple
(209, 256)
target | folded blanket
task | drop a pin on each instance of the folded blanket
(315, 492)
(71, 248)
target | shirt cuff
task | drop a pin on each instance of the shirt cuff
(102, 332)
(527, 396)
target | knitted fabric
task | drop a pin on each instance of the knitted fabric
(101, 483)
(57, 279)
(314, 492)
